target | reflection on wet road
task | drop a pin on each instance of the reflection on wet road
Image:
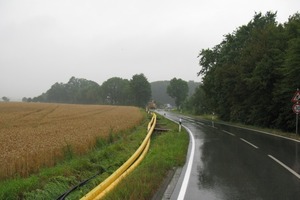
(234, 163)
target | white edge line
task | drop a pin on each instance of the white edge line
(188, 169)
(189, 165)
(249, 143)
(286, 167)
(228, 133)
(264, 132)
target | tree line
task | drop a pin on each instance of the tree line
(251, 76)
(117, 91)
(114, 91)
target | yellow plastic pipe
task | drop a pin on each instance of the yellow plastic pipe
(127, 172)
(102, 186)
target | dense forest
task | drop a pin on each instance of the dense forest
(252, 75)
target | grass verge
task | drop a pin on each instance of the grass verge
(167, 150)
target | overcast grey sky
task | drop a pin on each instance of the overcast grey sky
(48, 41)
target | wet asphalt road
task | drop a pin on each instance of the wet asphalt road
(233, 163)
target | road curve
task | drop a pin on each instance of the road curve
(233, 163)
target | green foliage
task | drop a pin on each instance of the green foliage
(160, 95)
(15, 188)
(5, 99)
(56, 186)
(140, 89)
(80, 91)
(198, 102)
(168, 150)
(116, 91)
(252, 74)
(178, 89)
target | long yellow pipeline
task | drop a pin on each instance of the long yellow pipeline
(127, 172)
(102, 186)
(150, 123)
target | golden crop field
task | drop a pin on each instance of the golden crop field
(33, 135)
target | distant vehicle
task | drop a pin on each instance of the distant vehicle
(168, 106)
(151, 105)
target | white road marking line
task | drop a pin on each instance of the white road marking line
(228, 133)
(266, 133)
(200, 123)
(256, 147)
(285, 166)
(188, 169)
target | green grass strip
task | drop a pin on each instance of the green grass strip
(167, 150)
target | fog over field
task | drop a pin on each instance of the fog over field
(43, 42)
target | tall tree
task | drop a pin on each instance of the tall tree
(140, 89)
(57, 93)
(116, 91)
(250, 76)
(290, 71)
(5, 99)
(178, 89)
(197, 103)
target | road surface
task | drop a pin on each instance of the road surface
(233, 163)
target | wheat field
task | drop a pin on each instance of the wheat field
(34, 135)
